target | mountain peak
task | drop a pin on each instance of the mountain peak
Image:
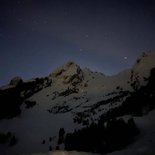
(141, 69)
(16, 81)
(69, 72)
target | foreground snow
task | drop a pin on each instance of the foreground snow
(144, 144)
(63, 153)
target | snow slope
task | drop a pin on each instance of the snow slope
(143, 145)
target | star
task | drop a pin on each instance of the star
(20, 19)
(86, 35)
(19, 2)
(45, 21)
(33, 29)
(35, 22)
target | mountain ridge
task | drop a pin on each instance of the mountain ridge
(76, 100)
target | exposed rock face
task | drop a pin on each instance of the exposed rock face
(16, 81)
(10, 102)
(141, 69)
(69, 73)
(10, 98)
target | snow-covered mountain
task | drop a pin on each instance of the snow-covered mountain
(75, 108)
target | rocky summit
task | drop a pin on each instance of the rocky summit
(69, 73)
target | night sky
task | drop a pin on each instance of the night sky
(36, 36)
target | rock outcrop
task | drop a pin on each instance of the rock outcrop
(141, 70)
(69, 73)
(16, 81)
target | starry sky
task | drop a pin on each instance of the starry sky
(36, 36)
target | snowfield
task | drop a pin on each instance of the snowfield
(144, 144)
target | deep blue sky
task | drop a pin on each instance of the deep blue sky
(36, 36)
